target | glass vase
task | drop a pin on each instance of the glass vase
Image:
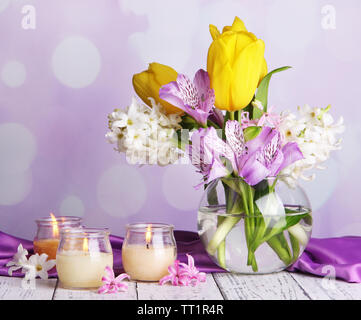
(254, 229)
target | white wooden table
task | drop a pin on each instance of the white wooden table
(219, 286)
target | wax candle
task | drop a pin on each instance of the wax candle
(78, 269)
(47, 236)
(48, 246)
(82, 256)
(147, 263)
(148, 250)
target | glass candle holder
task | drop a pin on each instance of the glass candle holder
(82, 256)
(148, 250)
(47, 236)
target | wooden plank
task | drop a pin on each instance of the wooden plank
(319, 288)
(66, 294)
(11, 289)
(204, 291)
(277, 286)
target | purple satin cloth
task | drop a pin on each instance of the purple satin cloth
(321, 255)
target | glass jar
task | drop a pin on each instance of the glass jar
(82, 256)
(148, 250)
(254, 229)
(47, 235)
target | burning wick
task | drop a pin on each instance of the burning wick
(55, 226)
(148, 235)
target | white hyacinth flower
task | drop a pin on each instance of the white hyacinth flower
(144, 134)
(316, 135)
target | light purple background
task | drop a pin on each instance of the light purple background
(59, 81)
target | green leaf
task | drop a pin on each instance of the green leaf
(257, 113)
(262, 91)
(251, 132)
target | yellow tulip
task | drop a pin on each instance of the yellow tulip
(147, 84)
(235, 65)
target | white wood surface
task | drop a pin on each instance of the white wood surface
(278, 286)
(282, 285)
(204, 291)
(328, 288)
(66, 294)
(11, 289)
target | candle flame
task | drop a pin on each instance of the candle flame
(55, 226)
(148, 234)
(85, 244)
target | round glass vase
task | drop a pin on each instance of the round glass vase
(254, 229)
(82, 256)
(148, 250)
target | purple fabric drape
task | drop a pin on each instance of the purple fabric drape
(343, 255)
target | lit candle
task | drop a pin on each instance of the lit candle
(82, 257)
(47, 237)
(147, 256)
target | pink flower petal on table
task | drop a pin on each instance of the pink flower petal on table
(122, 277)
(112, 284)
(103, 289)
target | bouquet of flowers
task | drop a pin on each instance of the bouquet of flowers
(220, 121)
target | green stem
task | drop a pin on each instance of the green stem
(248, 221)
(277, 247)
(295, 247)
(223, 229)
(221, 250)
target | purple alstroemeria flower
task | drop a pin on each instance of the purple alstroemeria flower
(195, 98)
(217, 117)
(205, 152)
(254, 160)
(262, 156)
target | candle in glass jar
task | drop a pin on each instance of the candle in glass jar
(82, 257)
(47, 237)
(78, 269)
(47, 246)
(148, 251)
(147, 263)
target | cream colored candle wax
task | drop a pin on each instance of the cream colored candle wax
(80, 269)
(146, 262)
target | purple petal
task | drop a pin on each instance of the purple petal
(171, 93)
(217, 170)
(205, 93)
(165, 279)
(103, 289)
(261, 140)
(253, 171)
(291, 153)
(235, 138)
(109, 271)
(201, 81)
(217, 117)
(121, 277)
(190, 261)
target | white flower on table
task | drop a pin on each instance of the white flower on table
(38, 265)
(18, 261)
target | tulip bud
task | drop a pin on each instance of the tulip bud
(147, 84)
(235, 65)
